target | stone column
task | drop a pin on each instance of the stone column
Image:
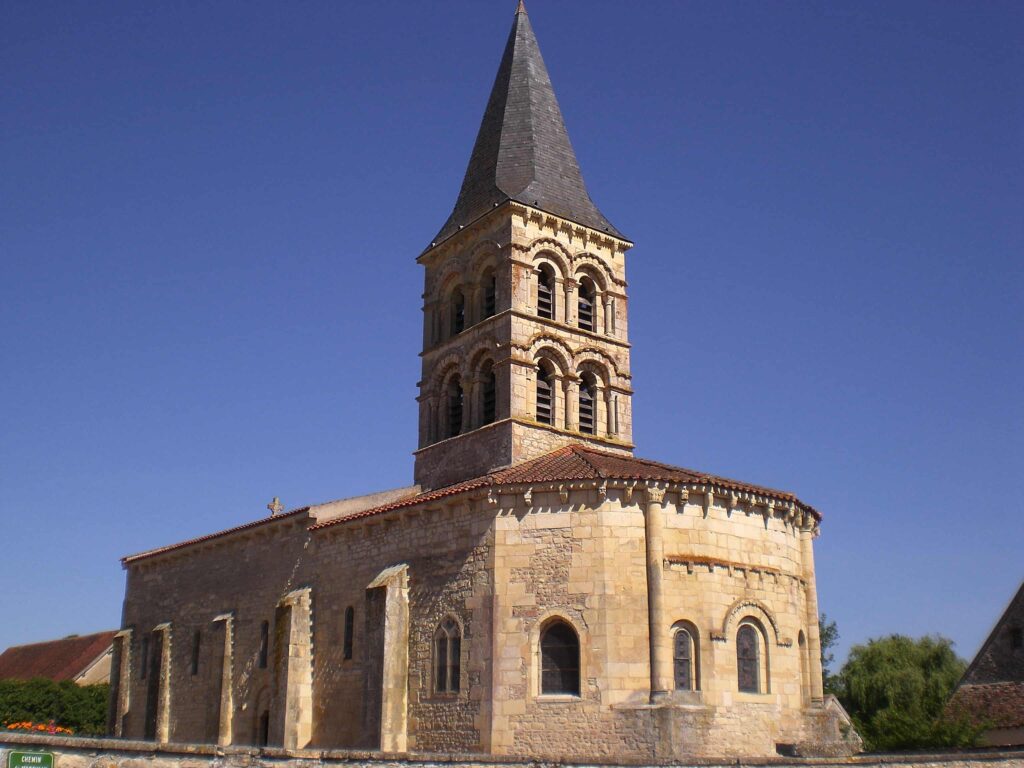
(609, 315)
(660, 645)
(807, 531)
(571, 397)
(121, 674)
(571, 313)
(163, 705)
(226, 716)
(610, 403)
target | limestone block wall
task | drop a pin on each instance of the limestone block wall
(505, 249)
(582, 560)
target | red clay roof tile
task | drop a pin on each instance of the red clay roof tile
(56, 659)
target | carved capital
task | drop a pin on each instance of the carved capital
(653, 494)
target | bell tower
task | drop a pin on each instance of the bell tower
(525, 332)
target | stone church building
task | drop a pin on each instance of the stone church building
(538, 591)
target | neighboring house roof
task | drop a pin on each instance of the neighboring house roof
(522, 151)
(999, 705)
(992, 688)
(580, 462)
(62, 659)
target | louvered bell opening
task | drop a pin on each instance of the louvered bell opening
(490, 398)
(586, 313)
(544, 402)
(587, 420)
(545, 295)
(490, 294)
(454, 410)
(458, 314)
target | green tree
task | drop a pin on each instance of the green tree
(895, 689)
(828, 634)
(82, 708)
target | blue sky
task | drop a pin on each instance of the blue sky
(211, 214)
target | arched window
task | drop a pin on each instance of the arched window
(454, 407)
(264, 644)
(490, 297)
(587, 295)
(350, 629)
(748, 661)
(545, 393)
(458, 311)
(684, 659)
(546, 292)
(588, 404)
(489, 395)
(145, 658)
(559, 660)
(447, 657)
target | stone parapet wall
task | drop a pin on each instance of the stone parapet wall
(108, 753)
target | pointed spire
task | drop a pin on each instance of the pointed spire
(522, 151)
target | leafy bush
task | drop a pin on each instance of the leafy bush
(82, 708)
(895, 689)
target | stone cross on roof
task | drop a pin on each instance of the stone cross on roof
(275, 507)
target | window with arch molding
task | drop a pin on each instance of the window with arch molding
(546, 292)
(587, 297)
(748, 659)
(559, 659)
(447, 657)
(489, 395)
(545, 393)
(455, 404)
(458, 305)
(588, 404)
(684, 659)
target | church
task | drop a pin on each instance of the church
(538, 591)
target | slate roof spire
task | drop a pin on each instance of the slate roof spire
(522, 151)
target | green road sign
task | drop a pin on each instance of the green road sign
(30, 760)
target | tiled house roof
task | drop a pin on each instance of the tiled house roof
(992, 688)
(579, 462)
(62, 659)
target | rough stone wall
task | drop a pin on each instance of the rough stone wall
(447, 551)
(246, 575)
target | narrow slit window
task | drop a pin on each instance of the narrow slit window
(264, 644)
(350, 621)
(197, 638)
